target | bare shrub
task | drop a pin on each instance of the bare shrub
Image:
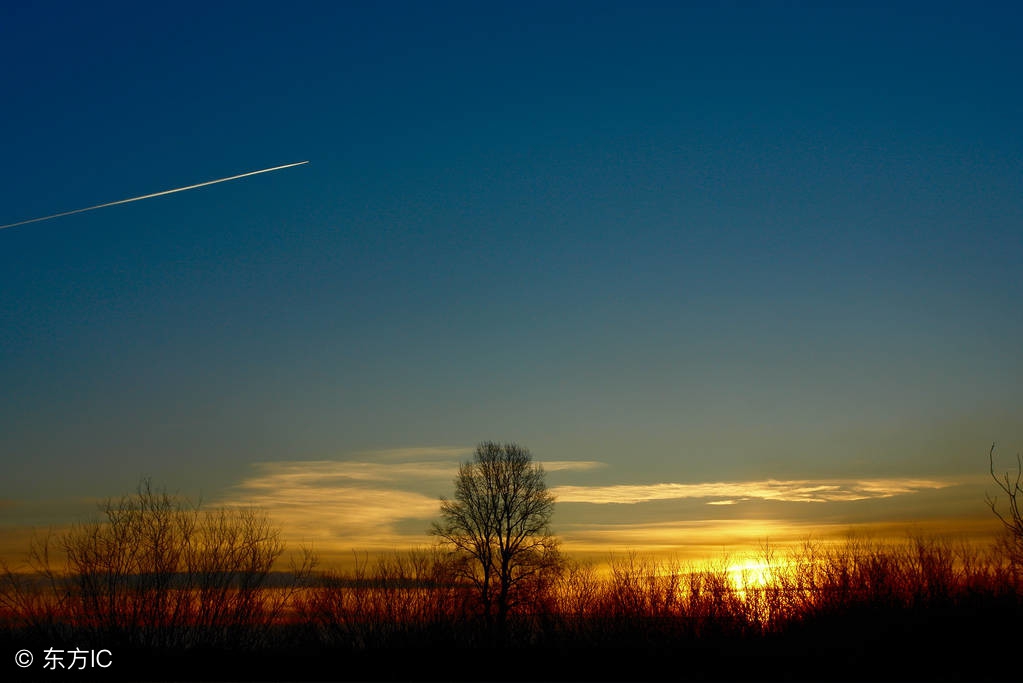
(157, 571)
(410, 597)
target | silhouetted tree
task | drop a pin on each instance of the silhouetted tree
(1012, 518)
(155, 570)
(498, 526)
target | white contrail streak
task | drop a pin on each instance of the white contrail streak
(155, 194)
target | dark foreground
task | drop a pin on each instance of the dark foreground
(874, 646)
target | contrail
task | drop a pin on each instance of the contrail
(155, 194)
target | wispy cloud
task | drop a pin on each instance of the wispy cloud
(680, 534)
(711, 538)
(349, 504)
(570, 465)
(321, 473)
(387, 499)
(383, 502)
(727, 493)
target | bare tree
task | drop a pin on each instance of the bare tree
(1012, 518)
(498, 526)
(156, 570)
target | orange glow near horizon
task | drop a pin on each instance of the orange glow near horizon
(737, 545)
(751, 560)
(384, 502)
(752, 574)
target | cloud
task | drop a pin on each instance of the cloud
(704, 541)
(381, 503)
(388, 501)
(320, 473)
(726, 493)
(716, 533)
(349, 504)
(570, 465)
(715, 538)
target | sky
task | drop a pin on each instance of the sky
(732, 271)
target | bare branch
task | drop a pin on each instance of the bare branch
(1011, 518)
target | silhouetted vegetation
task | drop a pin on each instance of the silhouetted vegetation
(177, 592)
(828, 611)
(154, 572)
(1010, 515)
(498, 529)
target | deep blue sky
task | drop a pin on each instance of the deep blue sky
(719, 242)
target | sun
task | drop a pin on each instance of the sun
(751, 574)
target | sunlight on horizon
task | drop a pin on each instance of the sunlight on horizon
(752, 574)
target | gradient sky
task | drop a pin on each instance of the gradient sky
(730, 269)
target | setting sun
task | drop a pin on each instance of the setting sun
(752, 574)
